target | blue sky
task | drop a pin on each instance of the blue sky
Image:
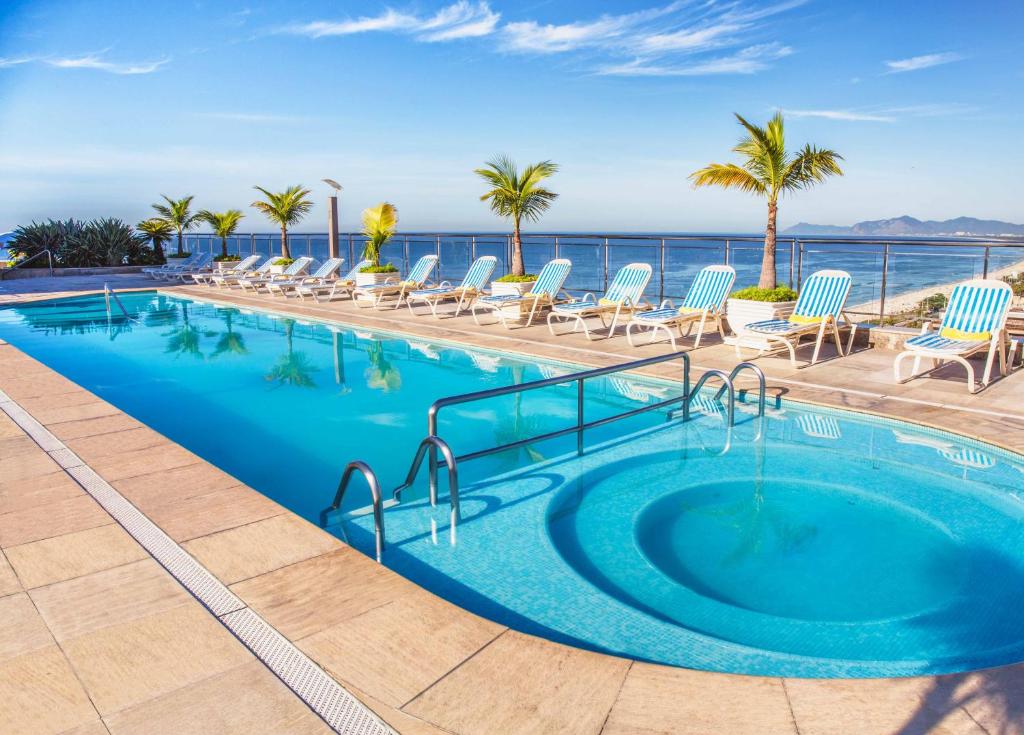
(106, 104)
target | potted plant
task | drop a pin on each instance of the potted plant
(379, 226)
(284, 208)
(755, 304)
(223, 225)
(280, 265)
(517, 195)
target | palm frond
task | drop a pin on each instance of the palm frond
(223, 224)
(285, 208)
(811, 166)
(514, 194)
(729, 176)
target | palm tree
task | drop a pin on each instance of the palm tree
(517, 196)
(176, 212)
(159, 232)
(223, 224)
(284, 208)
(767, 171)
(379, 225)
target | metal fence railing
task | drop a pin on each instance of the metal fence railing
(892, 277)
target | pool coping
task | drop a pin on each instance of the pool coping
(621, 683)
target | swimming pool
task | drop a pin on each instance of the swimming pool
(820, 543)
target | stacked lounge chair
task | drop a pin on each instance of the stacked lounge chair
(204, 263)
(547, 291)
(339, 286)
(320, 277)
(463, 295)
(227, 280)
(974, 322)
(297, 268)
(238, 269)
(156, 270)
(416, 280)
(705, 300)
(622, 297)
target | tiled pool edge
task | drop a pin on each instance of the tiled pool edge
(317, 689)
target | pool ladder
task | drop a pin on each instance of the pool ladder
(436, 449)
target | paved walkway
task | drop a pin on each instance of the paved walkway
(423, 664)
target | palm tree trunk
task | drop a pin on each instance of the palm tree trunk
(285, 251)
(768, 261)
(158, 249)
(518, 269)
(179, 244)
(224, 247)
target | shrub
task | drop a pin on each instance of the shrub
(935, 302)
(386, 268)
(227, 258)
(770, 295)
(1016, 281)
(31, 240)
(509, 278)
(284, 261)
(74, 244)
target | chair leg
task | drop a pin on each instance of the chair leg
(817, 342)
(700, 330)
(990, 358)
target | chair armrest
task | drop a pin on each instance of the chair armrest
(667, 304)
(445, 284)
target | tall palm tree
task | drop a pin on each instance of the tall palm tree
(176, 211)
(517, 196)
(223, 225)
(284, 208)
(379, 226)
(769, 170)
(159, 232)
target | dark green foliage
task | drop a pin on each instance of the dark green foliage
(510, 278)
(30, 240)
(74, 244)
(935, 302)
(386, 268)
(771, 295)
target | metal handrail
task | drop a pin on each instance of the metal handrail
(107, 293)
(375, 493)
(49, 259)
(727, 385)
(761, 387)
(581, 424)
(435, 443)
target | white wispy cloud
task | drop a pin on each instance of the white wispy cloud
(461, 19)
(914, 63)
(848, 115)
(97, 62)
(15, 60)
(745, 61)
(885, 114)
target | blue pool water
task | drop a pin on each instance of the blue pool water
(807, 543)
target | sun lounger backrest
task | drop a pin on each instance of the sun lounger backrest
(629, 283)
(421, 271)
(329, 266)
(299, 266)
(823, 294)
(202, 261)
(710, 288)
(480, 272)
(552, 277)
(267, 265)
(351, 275)
(245, 264)
(977, 307)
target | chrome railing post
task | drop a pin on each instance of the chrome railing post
(375, 493)
(727, 249)
(556, 247)
(579, 417)
(606, 264)
(881, 290)
(661, 273)
(799, 265)
(984, 268)
(792, 258)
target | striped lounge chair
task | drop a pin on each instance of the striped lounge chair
(622, 297)
(297, 268)
(547, 291)
(818, 310)
(227, 280)
(322, 275)
(705, 300)
(240, 268)
(157, 270)
(338, 287)
(416, 280)
(974, 322)
(463, 295)
(199, 265)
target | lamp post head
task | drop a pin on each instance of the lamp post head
(333, 184)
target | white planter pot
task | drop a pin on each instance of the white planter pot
(504, 288)
(373, 279)
(277, 269)
(741, 312)
(225, 265)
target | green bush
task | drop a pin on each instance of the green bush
(74, 244)
(935, 302)
(771, 295)
(1016, 282)
(386, 268)
(284, 261)
(509, 278)
(227, 258)
(31, 240)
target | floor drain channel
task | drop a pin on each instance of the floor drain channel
(325, 696)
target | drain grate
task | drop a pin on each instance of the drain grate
(325, 696)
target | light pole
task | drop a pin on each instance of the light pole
(332, 218)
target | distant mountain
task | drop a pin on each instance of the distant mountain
(910, 226)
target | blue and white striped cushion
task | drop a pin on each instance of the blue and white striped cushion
(432, 291)
(776, 326)
(657, 315)
(709, 289)
(501, 298)
(576, 306)
(934, 343)
(823, 296)
(975, 308)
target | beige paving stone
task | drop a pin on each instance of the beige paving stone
(521, 684)
(90, 728)
(174, 484)
(315, 594)
(994, 698)
(41, 695)
(47, 488)
(108, 598)
(100, 425)
(400, 721)
(73, 555)
(98, 446)
(663, 699)
(52, 519)
(8, 428)
(875, 707)
(26, 466)
(75, 406)
(142, 462)
(123, 665)
(397, 650)
(21, 630)
(13, 446)
(9, 583)
(260, 547)
(199, 515)
(246, 700)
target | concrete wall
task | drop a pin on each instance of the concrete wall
(15, 273)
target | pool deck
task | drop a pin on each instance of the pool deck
(105, 640)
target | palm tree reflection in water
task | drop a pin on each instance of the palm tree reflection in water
(292, 368)
(185, 337)
(381, 375)
(230, 342)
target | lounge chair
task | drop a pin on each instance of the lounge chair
(975, 321)
(320, 277)
(152, 271)
(329, 290)
(705, 300)
(298, 267)
(238, 269)
(227, 280)
(464, 294)
(818, 310)
(204, 263)
(547, 291)
(416, 279)
(622, 297)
